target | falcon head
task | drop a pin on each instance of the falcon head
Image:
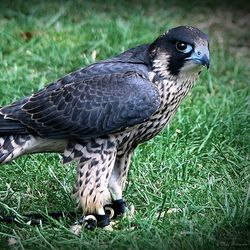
(183, 50)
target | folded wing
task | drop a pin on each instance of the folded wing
(86, 108)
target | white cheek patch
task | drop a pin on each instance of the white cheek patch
(160, 65)
(190, 67)
(189, 72)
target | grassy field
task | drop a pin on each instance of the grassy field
(190, 185)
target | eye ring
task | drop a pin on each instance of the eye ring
(183, 47)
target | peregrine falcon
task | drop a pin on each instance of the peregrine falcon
(97, 115)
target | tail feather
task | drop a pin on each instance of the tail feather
(12, 146)
(13, 136)
(16, 139)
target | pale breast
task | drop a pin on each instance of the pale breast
(171, 94)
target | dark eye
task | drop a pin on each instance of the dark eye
(183, 47)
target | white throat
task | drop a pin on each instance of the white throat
(187, 75)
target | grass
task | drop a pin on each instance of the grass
(191, 184)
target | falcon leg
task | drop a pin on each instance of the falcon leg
(117, 184)
(95, 163)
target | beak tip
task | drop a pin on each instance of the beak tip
(205, 61)
(200, 59)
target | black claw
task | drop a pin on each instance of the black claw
(91, 221)
(119, 207)
(90, 224)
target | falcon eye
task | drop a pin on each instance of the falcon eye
(183, 47)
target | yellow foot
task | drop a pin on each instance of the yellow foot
(76, 229)
(108, 228)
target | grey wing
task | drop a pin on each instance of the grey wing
(87, 108)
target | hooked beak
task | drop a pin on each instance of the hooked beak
(200, 56)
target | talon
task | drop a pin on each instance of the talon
(113, 223)
(76, 229)
(90, 217)
(109, 211)
(90, 222)
(118, 208)
(108, 228)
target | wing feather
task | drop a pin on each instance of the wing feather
(87, 108)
